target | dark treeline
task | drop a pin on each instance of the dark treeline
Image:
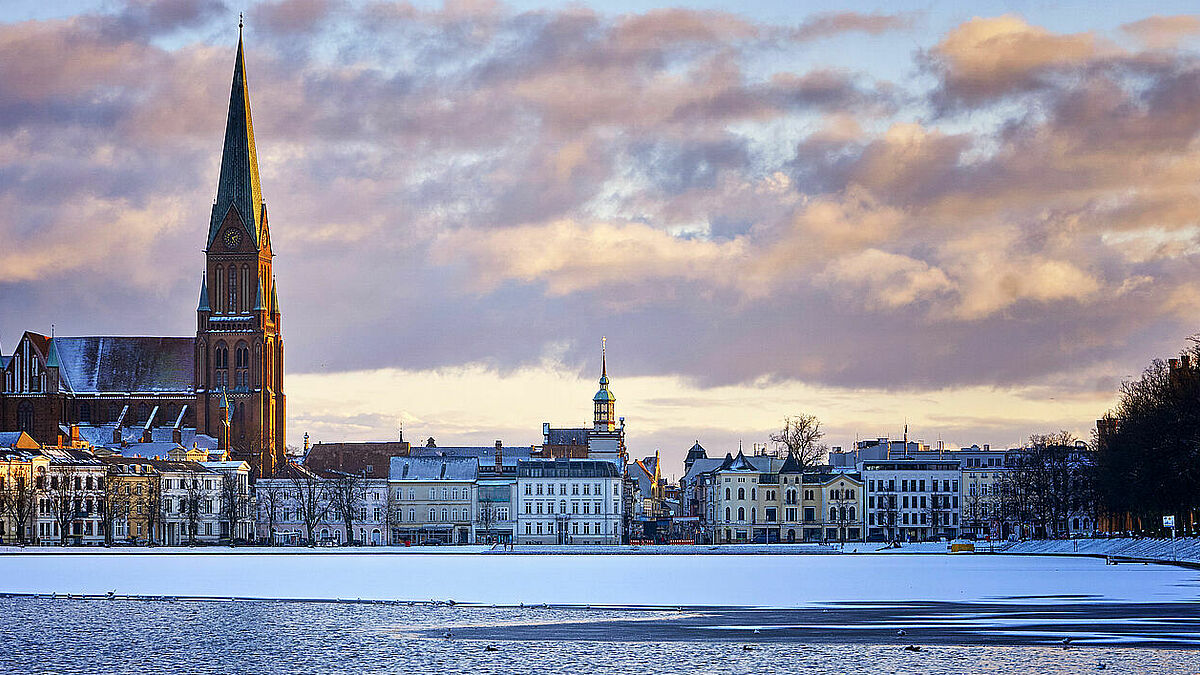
(1148, 448)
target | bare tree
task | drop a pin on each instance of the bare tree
(312, 500)
(272, 495)
(487, 515)
(19, 499)
(152, 508)
(347, 495)
(235, 504)
(114, 504)
(801, 436)
(65, 498)
(192, 504)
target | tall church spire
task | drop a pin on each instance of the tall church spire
(238, 186)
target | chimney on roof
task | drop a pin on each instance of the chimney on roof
(499, 455)
(306, 442)
(987, 446)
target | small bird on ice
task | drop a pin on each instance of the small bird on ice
(912, 648)
(491, 648)
(901, 633)
(111, 594)
(757, 631)
(447, 635)
(1065, 641)
(1101, 665)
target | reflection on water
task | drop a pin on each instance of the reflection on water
(76, 636)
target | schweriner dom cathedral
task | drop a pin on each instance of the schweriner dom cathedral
(226, 382)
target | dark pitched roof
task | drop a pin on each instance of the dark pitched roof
(791, 464)
(97, 364)
(354, 458)
(567, 437)
(697, 451)
(238, 187)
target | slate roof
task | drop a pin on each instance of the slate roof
(13, 439)
(567, 437)
(486, 454)
(99, 364)
(703, 466)
(791, 464)
(434, 468)
(697, 451)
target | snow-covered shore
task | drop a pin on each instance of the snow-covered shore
(724, 549)
(1184, 548)
(622, 580)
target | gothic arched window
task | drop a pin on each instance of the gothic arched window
(25, 417)
(233, 287)
(221, 359)
(741, 513)
(218, 283)
(242, 362)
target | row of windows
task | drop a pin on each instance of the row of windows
(562, 507)
(576, 528)
(771, 514)
(889, 519)
(790, 495)
(447, 493)
(548, 488)
(914, 485)
(938, 501)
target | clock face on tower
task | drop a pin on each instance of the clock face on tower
(233, 237)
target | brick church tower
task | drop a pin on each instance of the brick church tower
(239, 348)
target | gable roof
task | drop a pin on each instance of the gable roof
(567, 437)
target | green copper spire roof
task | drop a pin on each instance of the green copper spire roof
(258, 303)
(274, 297)
(238, 186)
(203, 306)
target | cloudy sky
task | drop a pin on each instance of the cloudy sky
(974, 217)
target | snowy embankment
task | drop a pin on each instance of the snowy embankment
(607, 580)
(1185, 548)
(723, 549)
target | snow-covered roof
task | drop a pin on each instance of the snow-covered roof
(97, 364)
(486, 454)
(434, 468)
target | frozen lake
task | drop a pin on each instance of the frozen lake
(777, 581)
(726, 613)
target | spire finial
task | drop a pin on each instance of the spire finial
(604, 357)
(240, 18)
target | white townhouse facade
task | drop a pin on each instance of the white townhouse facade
(569, 501)
(182, 484)
(913, 499)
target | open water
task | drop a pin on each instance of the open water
(73, 635)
